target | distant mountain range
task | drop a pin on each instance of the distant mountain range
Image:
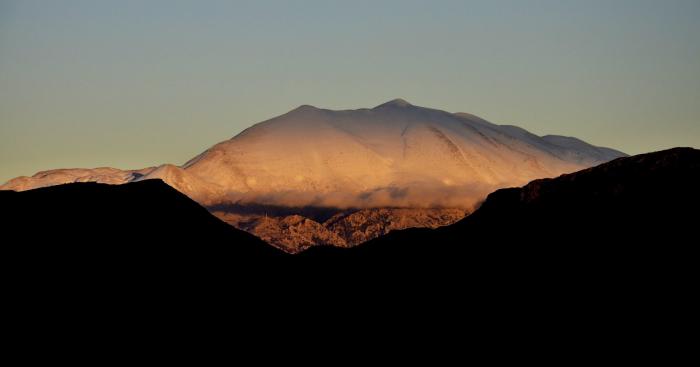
(394, 156)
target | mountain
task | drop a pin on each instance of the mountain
(393, 156)
(634, 212)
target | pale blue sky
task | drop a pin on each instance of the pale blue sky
(136, 83)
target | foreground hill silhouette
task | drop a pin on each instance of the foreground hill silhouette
(631, 209)
(147, 223)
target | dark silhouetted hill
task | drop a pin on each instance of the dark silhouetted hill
(146, 224)
(631, 212)
(608, 253)
(605, 254)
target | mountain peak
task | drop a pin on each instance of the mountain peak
(398, 102)
(305, 107)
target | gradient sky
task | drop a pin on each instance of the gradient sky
(130, 84)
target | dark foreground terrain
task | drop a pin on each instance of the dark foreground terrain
(627, 210)
(607, 255)
(90, 224)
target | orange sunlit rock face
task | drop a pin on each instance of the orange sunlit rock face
(347, 228)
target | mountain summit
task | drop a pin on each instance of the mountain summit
(395, 103)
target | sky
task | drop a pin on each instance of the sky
(130, 84)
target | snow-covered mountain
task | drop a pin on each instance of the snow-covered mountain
(364, 164)
(393, 155)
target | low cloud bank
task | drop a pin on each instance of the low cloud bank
(465, 197)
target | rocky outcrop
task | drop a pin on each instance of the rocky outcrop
(295, 233)
(361, 226)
